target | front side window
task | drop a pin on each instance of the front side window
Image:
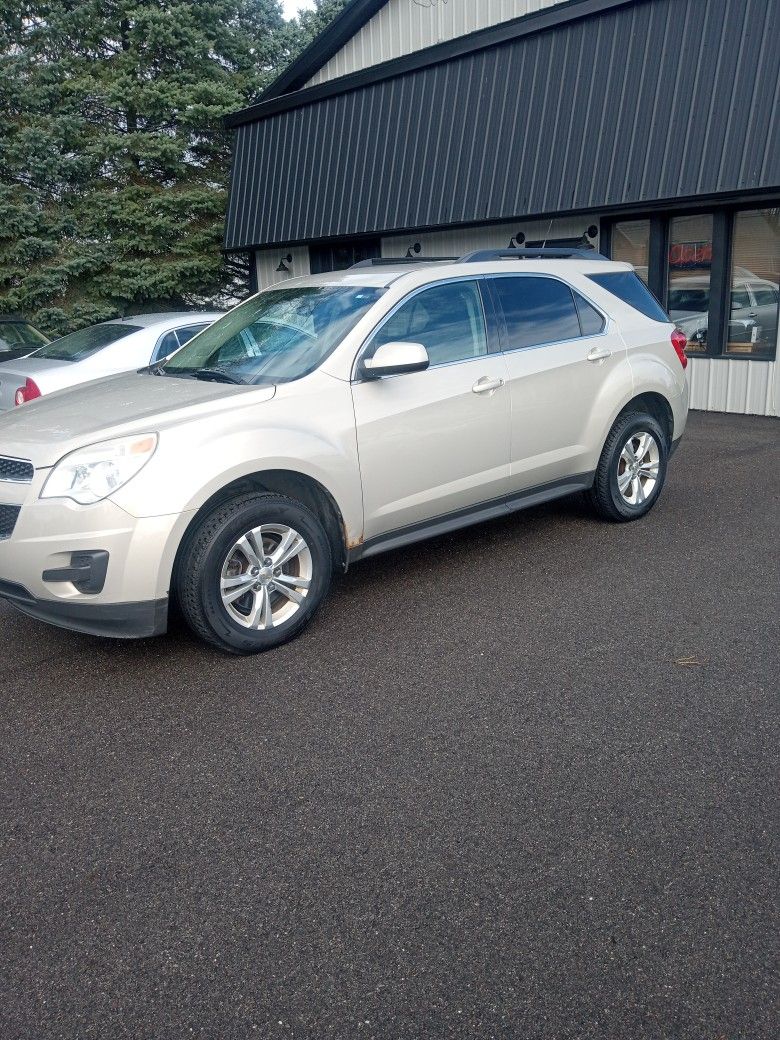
(447, 319)
(537, 310)
(79, 345)
(276, 337)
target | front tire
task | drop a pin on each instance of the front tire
(253, 573)
(631, 470)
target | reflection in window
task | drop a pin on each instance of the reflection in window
(755, 273)
(536, 310)
(631, 244)
(690, 260)
(447, 319)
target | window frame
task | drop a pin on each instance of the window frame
(501, 319)
(489, 316)
(723, 224)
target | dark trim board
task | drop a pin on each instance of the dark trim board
(322, 48)
(475, 515)
(493, 36)
(608, 214)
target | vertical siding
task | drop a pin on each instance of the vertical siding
(592, 114)
(404, 26)
(731, 385)
(267, 260)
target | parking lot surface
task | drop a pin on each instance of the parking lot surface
(519, 781)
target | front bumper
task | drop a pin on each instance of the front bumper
(41, 563)
(119, 620)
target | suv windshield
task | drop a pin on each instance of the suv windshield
(276, 337)
(78, 345)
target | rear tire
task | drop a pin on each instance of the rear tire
(253, 573)
(631, 470)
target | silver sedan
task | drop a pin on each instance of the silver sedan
(121, 345)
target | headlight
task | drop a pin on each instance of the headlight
(91, 474)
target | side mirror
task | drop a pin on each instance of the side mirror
(393, 359)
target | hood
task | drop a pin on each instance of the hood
(46, 429)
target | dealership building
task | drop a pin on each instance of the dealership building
(646, 129)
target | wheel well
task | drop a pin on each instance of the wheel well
(658, 407)
(303, 489)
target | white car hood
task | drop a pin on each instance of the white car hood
(48, 428)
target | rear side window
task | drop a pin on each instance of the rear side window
(629, 288)
(591, 322)
(536, 310)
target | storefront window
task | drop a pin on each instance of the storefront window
(755, 273)
(631, 244)
(690, 260)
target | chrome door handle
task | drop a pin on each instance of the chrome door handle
(599, 354)
(486, 385)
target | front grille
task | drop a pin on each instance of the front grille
(8, 515)
(18, 470)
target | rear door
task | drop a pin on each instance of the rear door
(559, 350)
(436, 442)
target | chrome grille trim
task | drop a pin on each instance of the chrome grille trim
(8, 518)
(16, 471)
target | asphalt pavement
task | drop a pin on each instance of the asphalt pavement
(520, 781)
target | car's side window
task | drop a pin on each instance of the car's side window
(185, 335)
(591, 322)
(536, 310)
(165, 346)
(447, 319)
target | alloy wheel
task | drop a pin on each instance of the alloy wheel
(638, 468)
(266, 576)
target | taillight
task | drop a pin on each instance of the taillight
(26, 393)
(679, 342)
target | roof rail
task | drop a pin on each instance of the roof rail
(385, 261)
(543, 253)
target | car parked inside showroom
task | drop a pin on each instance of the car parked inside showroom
(328, 419)
(119, 345)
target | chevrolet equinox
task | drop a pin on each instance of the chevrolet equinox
(328, 419)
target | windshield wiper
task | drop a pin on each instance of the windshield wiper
(213, 376)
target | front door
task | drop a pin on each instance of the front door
(436, 442)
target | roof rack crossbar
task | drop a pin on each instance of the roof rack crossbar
(386, 261)
(542, 253)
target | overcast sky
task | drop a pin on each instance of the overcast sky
(292, 6)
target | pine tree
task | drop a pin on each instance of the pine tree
(311, 22)
(113, 157)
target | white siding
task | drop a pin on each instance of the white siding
(729, 385)
(458, 241)
(404, 26)
(267, 261)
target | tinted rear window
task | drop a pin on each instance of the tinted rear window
(79, 345)
(629, 288)
(536, 310)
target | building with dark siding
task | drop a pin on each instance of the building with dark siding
(645, 128)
